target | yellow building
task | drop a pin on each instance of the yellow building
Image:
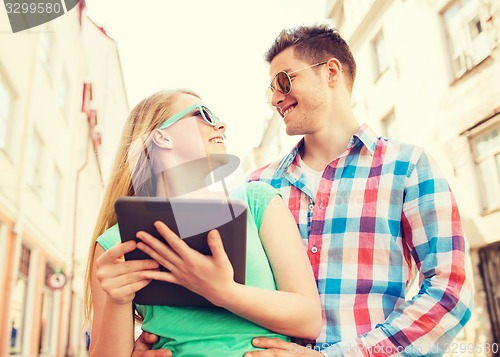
(61, 99)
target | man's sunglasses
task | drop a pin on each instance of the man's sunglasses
(283, 83)
(206, 114)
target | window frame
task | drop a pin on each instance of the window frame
(388, 120)
(55, 197)
(35, 164)
(63, 94)
(493, 155)
(381, 60)
(6, 120)
(46, 48)
(47, 313)
(23, 277)
(465, 50)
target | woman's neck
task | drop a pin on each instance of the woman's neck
(186, 186)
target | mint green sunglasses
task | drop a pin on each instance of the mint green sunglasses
(206, 114)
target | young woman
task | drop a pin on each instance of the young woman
(279, 297)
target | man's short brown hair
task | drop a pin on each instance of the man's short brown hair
(313, 44)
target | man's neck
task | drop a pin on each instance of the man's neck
(324, 146)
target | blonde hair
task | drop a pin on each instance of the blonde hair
(146, 116)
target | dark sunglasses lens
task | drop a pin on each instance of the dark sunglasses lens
(283, 83)
(209, 117)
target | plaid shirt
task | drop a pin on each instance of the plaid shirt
(382, 209)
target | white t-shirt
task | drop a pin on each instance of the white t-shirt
(312, 176)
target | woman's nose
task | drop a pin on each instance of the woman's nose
(220, 126)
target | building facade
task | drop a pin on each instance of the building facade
(428, 74)
(56, 116)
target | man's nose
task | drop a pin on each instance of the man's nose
(277, 98)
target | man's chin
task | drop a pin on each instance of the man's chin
(290, 131)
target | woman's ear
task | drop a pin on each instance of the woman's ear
(162, 139)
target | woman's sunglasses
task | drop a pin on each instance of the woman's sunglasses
(208, 117)
(283, 83)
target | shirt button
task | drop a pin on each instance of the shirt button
(314, 249)
(311, 206)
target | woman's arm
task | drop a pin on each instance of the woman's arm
(293, 310)
(114, 283)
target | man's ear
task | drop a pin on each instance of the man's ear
(334, 68)
(162, 139)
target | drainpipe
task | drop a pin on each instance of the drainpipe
(69, 352)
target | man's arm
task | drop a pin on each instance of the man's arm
(143, 345)
(432, 230)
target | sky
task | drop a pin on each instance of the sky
(214, 47)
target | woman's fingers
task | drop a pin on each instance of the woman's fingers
(214, 241)
(124, 293)
(173, 240)
(158, 250)
(121, 279)
(165, 259)
(130, 282)
(115, 253)
(160, 275)
(157, 244)
(117, 275)
(112, 267)
(204, 275)
(105, 269)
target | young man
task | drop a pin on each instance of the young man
(369, 210)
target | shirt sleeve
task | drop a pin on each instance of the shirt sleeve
(259, 195)
(109, 238)
(432, 230)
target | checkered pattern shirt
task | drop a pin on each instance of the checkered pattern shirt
(382, 209)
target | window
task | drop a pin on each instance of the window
(389, 125)
(33, 176)
(55, 189)
(486, 147)
(489, 263)
(19, 297)
(381, 58)
(467, 38)
(47, 313)
(6, 100)
(355, 12)
(63, 94)
(46, 48)
(338, 16)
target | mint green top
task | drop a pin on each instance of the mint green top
(195, 331)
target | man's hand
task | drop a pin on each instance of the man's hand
(277, 347)
(143, 345)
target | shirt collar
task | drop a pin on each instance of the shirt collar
(291, 157)
(363, 136)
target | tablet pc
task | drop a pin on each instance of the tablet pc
(191, 219)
